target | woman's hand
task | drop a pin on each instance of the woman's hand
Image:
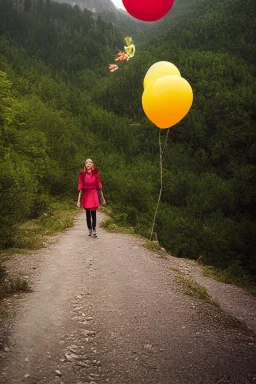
(78, 204)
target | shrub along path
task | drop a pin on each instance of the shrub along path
(108, 310)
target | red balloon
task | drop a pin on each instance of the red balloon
(148, 10)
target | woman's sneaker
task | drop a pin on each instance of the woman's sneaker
(90, 232)
(94, 233)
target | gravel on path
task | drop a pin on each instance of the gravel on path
(108, 310)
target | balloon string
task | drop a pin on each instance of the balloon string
(161, 152)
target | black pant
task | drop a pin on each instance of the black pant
(91, 219)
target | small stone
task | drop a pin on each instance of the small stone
(148, 346)
(26, 376)
(73, 346)
(84, 382)
(58, 373)
(74, 355)
(89, 333)
(89, 318)
(69, 358)
(7, 349)
(82, 364)
(27, 359)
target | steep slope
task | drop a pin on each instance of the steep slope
(220, 26)
(66, 37)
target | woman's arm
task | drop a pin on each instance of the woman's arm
(79, 199)
(80, 187)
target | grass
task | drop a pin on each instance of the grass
(112, 226)
(9, 286)
(192, 288)
(152, 246)
(155, 247)
(33, 233)
(232, 275)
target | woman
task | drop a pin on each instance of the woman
(89, 184)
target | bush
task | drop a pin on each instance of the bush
(40, 205)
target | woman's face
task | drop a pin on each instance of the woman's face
(89, 165)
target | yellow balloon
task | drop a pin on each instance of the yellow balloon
(167, 100)
(159, 69)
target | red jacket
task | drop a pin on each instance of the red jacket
(95, 181)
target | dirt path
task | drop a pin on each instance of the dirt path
(107, 310)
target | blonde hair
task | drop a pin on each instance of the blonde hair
(88, 160)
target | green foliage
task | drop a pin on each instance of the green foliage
(58, 217)
(233, 274)
(152, 246)
(66, 37)
(17, 193)
(192, 288)
(116, 224)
